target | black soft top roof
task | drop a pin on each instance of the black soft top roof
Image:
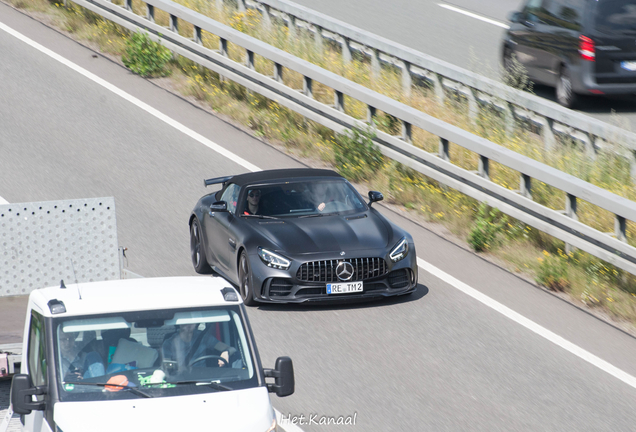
(278, 174)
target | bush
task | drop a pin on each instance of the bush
(487, 226)
(357, 157)
(145, 57)
(553, 271)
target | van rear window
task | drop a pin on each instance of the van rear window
(616, 16)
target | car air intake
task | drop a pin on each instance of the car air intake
(326, 271)
(399, 278)
(280, 287)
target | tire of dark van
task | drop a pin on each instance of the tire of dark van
(564, 93)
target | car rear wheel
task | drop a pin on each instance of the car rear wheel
(244, 280)
(199, 260)
(564, 92)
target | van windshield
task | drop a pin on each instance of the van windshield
(616, 16)
(153, 354)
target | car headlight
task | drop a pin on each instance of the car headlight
(273, 260)
(400, 250)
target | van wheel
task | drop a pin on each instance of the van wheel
(245, 286)
(564, 93)
(199, 260)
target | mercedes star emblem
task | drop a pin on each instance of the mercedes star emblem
(344, 271)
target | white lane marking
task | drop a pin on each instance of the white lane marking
(150, 110)
(288, 427)
(530, 325)
(474, 15)
(504, 310)
(3, 201)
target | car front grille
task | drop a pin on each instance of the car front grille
(325, 271)
(399, 278)
(280, 287)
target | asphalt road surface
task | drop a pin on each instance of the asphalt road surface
(466, 33)
(450, 357)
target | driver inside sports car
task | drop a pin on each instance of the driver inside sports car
(191, 347)
(322, 198)
(253, 202)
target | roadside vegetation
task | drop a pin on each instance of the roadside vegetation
(521, 248)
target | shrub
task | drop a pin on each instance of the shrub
(145, 57)
(357, 157)
(488, 224)
(553, 271)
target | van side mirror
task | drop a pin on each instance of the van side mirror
(21, 391)
(218, 206)
(283, 377)
(375, 196)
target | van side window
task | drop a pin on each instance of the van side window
(533, 11)
(37, 350)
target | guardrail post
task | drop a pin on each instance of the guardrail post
(407, 135)
(338, 100)
(249, 59)
(570, 211)
(307, 87)
(174, 23)
(223, 52)
(150, 12)
(267, 19)
(509, 119)
(197, 35)
(620, 228)
(241, 5)
(632, 164)
(549, 141)
(278, 72)
(525, 186)
(407, 80)
(128, 5)
(375, 63)
(484, 167)
(370, 114)
(444, 149)
(346, 50)
(318, 38)
(291, 26)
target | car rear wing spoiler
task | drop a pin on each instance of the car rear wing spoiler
(217, 180)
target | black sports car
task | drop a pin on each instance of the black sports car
(300, 235)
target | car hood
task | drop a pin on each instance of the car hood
(239, 410)
(327, 233)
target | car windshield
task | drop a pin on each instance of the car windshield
(616, 16)
(301, 199)
(153, 354)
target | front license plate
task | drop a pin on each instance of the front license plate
(343, 288)
(629, 65)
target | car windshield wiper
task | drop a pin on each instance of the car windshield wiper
(134, 390)
(258, 216)
(311, 215)
(214, 385)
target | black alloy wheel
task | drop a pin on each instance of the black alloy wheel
(245, 286)
(199, 260)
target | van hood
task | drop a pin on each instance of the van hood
(229, 411)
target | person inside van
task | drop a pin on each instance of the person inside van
(190, 344)
(78, 363)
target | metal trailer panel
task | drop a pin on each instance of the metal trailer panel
(42, 243)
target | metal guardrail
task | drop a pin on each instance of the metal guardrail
(552, 119)
(518, 204)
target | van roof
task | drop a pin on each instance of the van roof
(132, 295)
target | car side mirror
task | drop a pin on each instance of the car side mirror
(514, 17)
(21, 391)
(218, 206)
(375, 196)
(283, 377)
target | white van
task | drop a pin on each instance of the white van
(160, 354)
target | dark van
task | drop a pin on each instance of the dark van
(585, 47)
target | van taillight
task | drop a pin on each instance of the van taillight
(586, 48)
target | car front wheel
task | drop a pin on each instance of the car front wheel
(244, 280)
(199, 260)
